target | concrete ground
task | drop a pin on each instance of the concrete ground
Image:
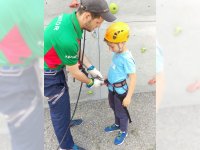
(178, 128)
(97, 114)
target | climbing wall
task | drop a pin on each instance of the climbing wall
(179, 34)
(177, 121)
(140, 16)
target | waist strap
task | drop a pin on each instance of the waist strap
(117, 84)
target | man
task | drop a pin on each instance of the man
(61, 48)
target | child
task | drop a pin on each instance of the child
(122, 67)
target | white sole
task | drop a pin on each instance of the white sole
(123, 140)
(111, 131)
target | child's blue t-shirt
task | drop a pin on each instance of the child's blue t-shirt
(122, 65)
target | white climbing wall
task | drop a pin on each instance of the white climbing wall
(140, 15)
(179, 34)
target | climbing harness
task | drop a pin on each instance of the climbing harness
(120, 96)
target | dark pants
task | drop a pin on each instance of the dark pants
(121, 117)
(56, 89)
(21, 101)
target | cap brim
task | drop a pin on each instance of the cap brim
(108, 16)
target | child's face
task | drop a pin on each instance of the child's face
(113, 47)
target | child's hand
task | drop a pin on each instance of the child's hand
(126, 102)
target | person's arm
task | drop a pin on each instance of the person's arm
(77, 74)
(74, 4)
(127, 100)
(86, 62)
(91, 69)
(152, 81)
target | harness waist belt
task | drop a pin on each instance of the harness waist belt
(117, 84)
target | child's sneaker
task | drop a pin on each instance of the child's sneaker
(76, 147)
(111, 128)
(120, 138)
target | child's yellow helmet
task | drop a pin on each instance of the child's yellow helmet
(117, 32)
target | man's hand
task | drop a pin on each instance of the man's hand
(126, 102)
(95, 83)
(74, 4)
(95, 73)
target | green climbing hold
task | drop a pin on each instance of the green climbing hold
(113, 8)
(89, 92)
(178, 30)
(143, 50)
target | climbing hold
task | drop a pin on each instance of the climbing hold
(89, 92)
(143, 50)
(113, 8)
(178, 30)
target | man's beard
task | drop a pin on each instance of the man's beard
(88, 26)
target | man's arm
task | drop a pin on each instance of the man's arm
(91, 69)
(86, 62)
(74, 4)
(76, 73)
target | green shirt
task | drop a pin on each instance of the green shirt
(62, 42)
(21, 32)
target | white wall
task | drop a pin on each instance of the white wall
(181, 50)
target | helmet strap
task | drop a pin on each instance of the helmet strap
(120, 49)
